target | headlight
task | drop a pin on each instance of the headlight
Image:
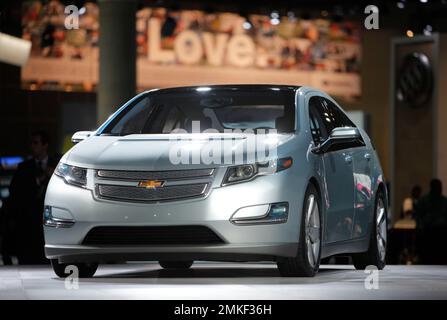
(247, 172)
(72, 175)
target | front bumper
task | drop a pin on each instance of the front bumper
(227, 252)
(241, 242)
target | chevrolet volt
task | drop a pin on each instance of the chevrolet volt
(219, 173)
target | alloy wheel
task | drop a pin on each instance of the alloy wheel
(381, 229)
(312, 228)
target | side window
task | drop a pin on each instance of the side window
(338, 117)
(319, 126)
(315, 128)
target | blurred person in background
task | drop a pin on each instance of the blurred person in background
(409, 203)
(431, 224)
(27, 194)
(402, 247)
(7, 227)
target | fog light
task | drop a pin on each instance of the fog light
(277, 213)
(50, 221)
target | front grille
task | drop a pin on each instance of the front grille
(154, 175)
(160, 235)
(131, 193)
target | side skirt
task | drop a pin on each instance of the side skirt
(344, 247)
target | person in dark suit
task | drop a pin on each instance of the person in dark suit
(7, 227)
(431, 224)
(27, 194)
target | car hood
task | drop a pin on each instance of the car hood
(161, 151)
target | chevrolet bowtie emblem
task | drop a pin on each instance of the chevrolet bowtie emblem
(151, 184)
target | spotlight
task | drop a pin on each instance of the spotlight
(428, 29)
(274, 21)
(410, 33)
(274, 18)
(423, 1)
(400, 4)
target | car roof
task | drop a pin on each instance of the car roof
(225, 87)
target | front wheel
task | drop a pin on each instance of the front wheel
(307, 261)
(85, 270)
(377, 246)
(176, 264)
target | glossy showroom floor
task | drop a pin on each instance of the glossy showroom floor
(224, 281)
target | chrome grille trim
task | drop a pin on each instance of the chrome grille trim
(137, 194)
(153, 175)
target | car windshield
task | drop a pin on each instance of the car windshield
(195, 110)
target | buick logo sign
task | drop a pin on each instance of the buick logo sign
(414, 80)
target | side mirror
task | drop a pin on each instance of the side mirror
(345, 133)
(338, 137)
(80, 135)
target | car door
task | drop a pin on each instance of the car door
(364, 200)
(361, 157)
(338, 173)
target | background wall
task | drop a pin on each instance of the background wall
(26, 111)
(375, 74)
(441, 117)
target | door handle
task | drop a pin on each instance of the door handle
(348, 159)
(367, 156)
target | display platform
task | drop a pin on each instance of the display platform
(224, 281)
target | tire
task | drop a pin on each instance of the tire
(376, 254)
(85, 270)
(307, 260)
(176, 264)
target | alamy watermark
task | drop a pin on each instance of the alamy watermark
(72, 19)
(372, 18)
(72, 280)
(233, 146)
(372, 278)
